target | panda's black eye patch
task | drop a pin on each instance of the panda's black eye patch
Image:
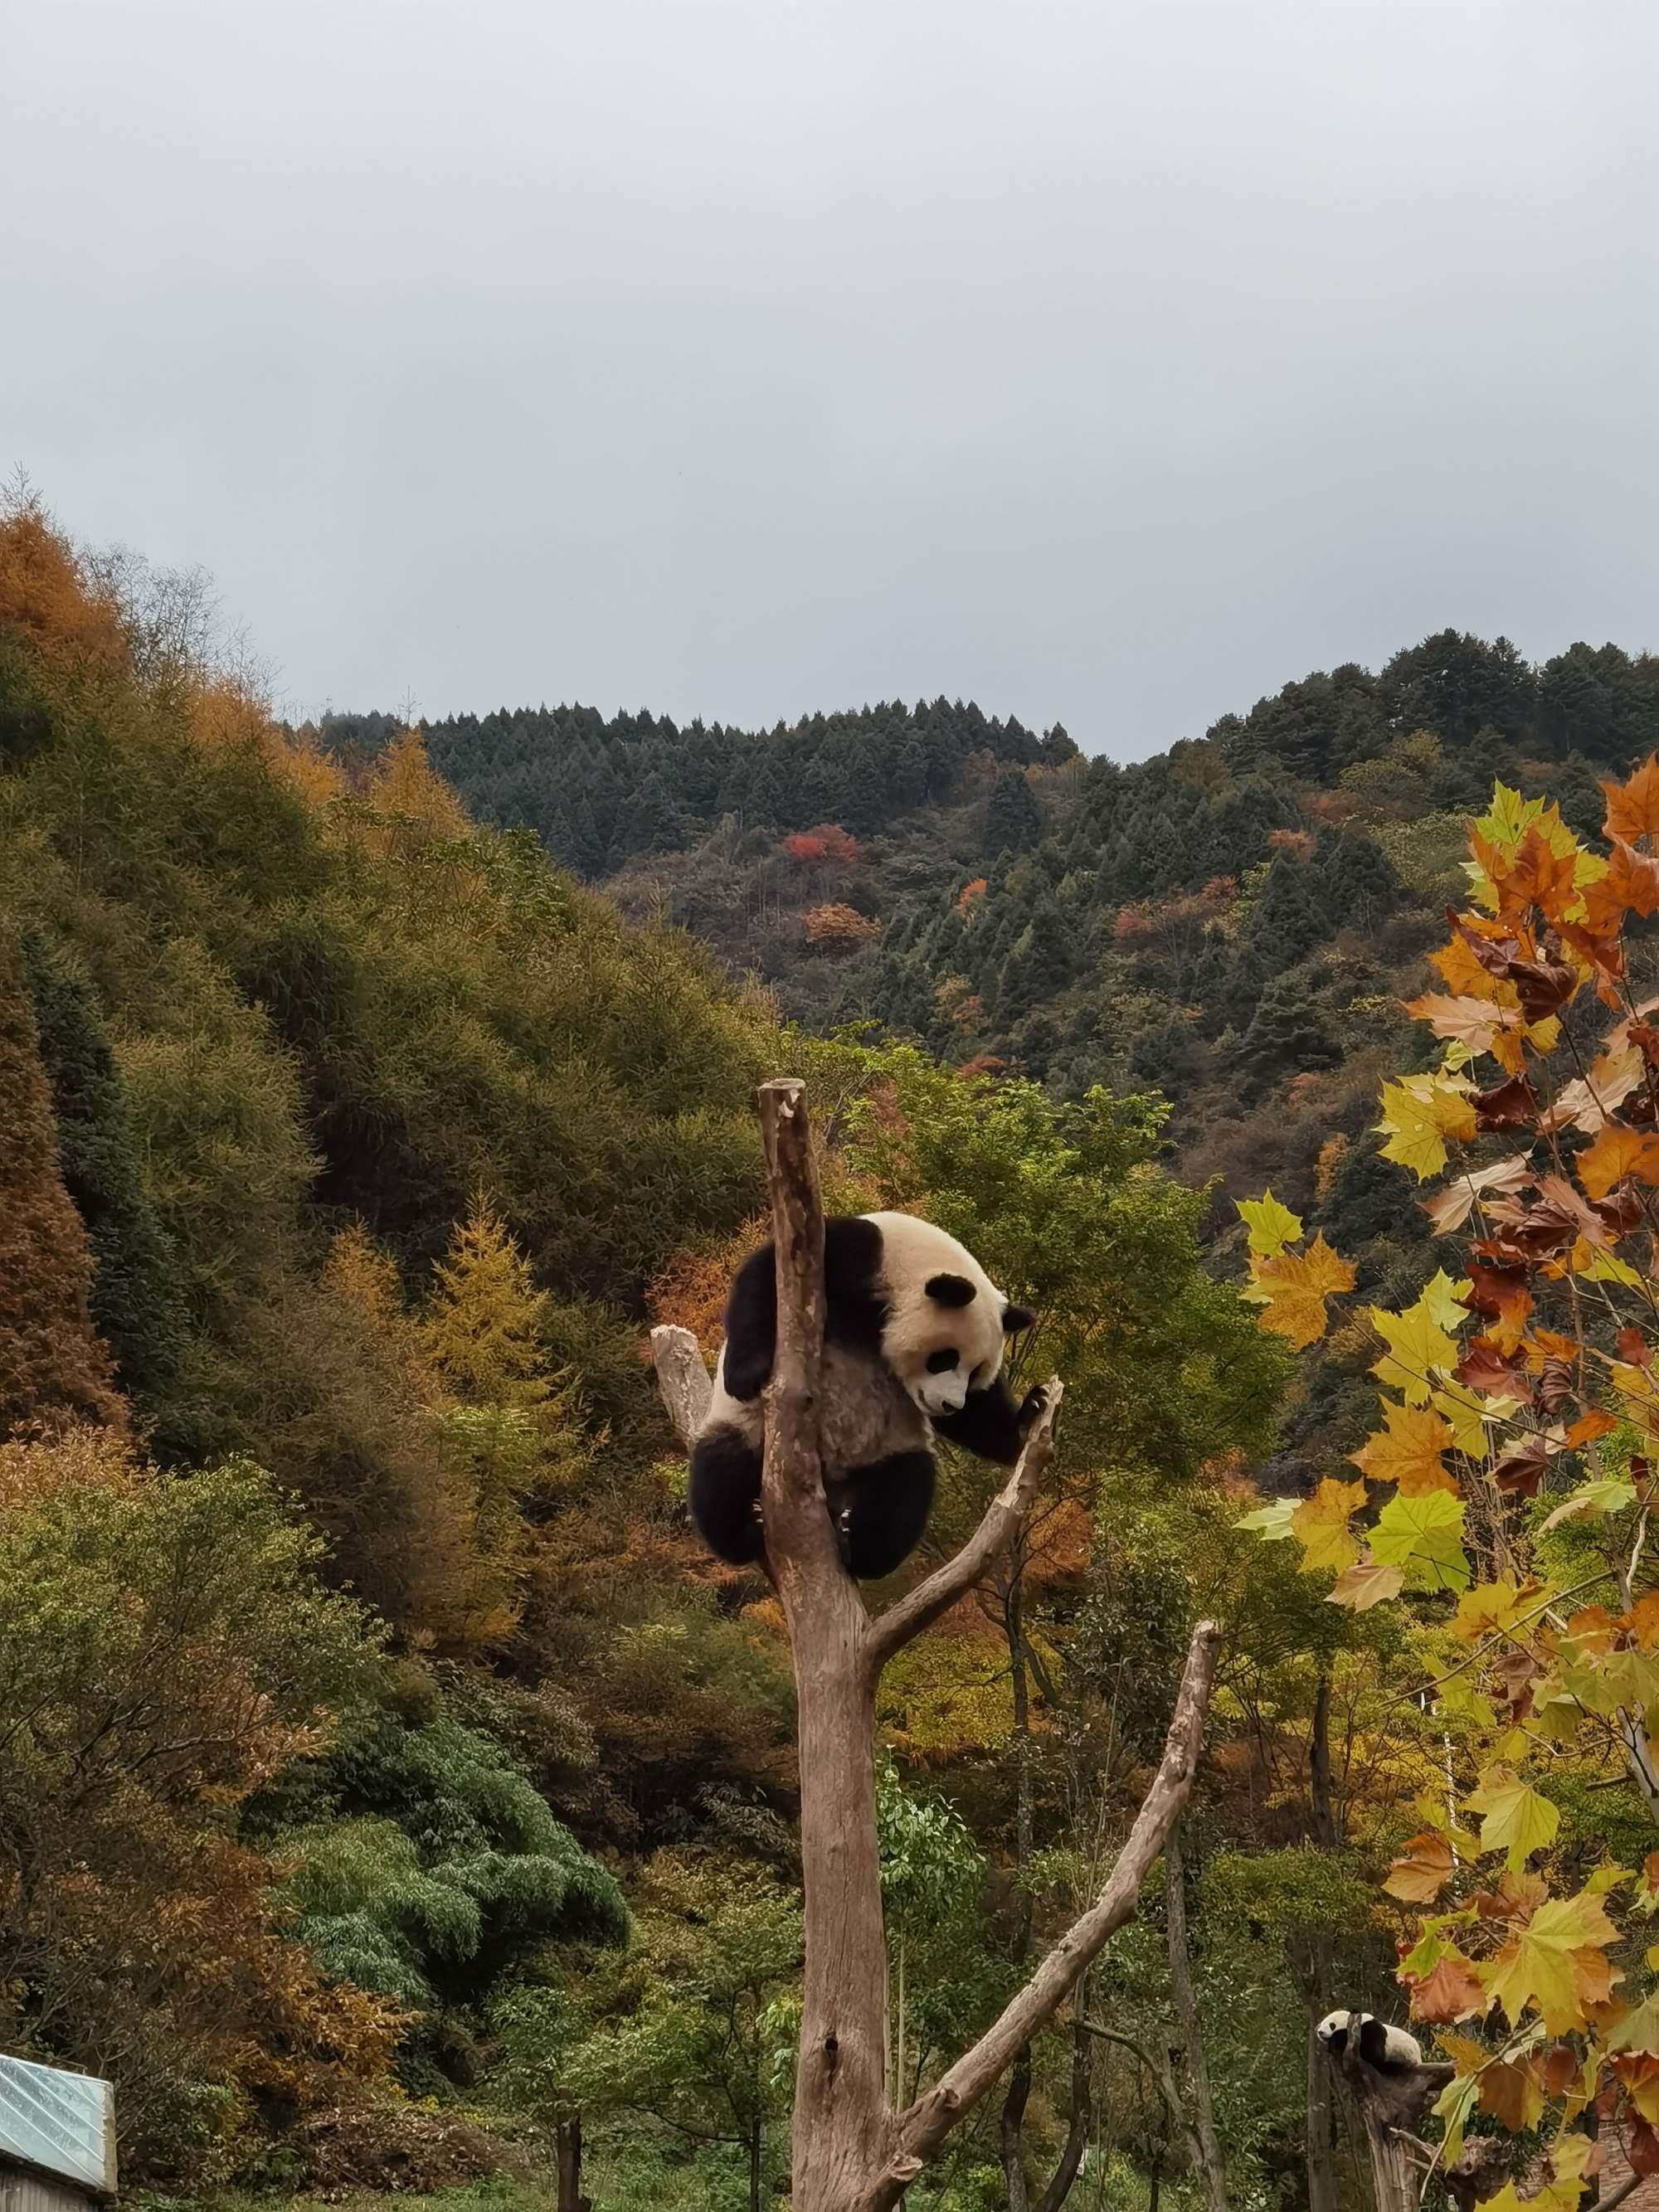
(951, 1289)
(941, 1362)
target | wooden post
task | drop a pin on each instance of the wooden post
(852, 2150)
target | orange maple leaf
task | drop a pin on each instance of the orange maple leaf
(1540, 877)
(1630, 886)
(1633, 807)
(1422, 1870)
(1409, 1450)
(1452, 1991)
(1618, 1151)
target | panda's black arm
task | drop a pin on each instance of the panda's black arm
(852, 1264)
(990, 1423)
(751, 1325)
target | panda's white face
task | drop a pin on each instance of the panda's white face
(946, 1319)
(944, 1384)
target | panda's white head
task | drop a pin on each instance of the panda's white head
(946, 1321)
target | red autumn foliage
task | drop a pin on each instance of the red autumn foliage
(825, 840)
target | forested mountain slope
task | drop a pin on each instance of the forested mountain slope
(1231, 922)
(391, 1789)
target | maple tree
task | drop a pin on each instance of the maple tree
(1507, 1494)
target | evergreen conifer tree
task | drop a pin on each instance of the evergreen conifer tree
(1013, 820)
(135, 1300)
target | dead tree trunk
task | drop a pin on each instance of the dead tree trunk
(853, 2150)
(1212, 2172)
(1321, 2101)
(1391, 2108)
(568, 2144)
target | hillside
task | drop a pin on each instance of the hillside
(1230, 922)
(1233, 923)
(394, 1793)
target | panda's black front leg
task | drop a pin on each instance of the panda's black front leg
(725, 1496)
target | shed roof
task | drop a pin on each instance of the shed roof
(61, 2123)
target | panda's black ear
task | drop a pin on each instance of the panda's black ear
(1015, 1318)
(951, 1289)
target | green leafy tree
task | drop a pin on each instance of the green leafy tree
(933, 1874)
(425, 1867)
(164, 1648)
(697, 2030)
(52, 1363)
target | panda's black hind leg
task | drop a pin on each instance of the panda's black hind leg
(725, 1496)
(884, 1509)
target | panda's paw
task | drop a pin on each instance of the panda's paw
(1030, 1406)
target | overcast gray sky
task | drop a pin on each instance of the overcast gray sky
(1107, 362)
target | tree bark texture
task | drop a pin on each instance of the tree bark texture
(568, 2151)
(853, 2151)
(1210, 2166)
(1322, 2102)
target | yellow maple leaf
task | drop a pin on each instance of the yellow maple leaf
(1419, 1113)
(1407, 1450)
(1557, 1963)
(1489, 1606)
(1467, 1411)
(1320, 1524)
(1420, 1353)
(1269, 1225)
(1517, 1818)
(1292, 1287)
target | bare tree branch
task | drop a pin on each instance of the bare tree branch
(842, 2125)
(920, 1608)
(1162, 2077)
(682, 1378)
(931, 2118)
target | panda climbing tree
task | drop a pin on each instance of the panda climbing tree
(911, 1323)
(913, 1337)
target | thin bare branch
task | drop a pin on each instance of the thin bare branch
(682, 1378)
(918, 1608)
(924, 2125)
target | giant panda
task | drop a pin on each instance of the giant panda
(913, 1344)
(1388, 2050)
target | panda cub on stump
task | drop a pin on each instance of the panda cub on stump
(913, 1346)
(1389, 2049)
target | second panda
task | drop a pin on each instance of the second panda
(913, 1339)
